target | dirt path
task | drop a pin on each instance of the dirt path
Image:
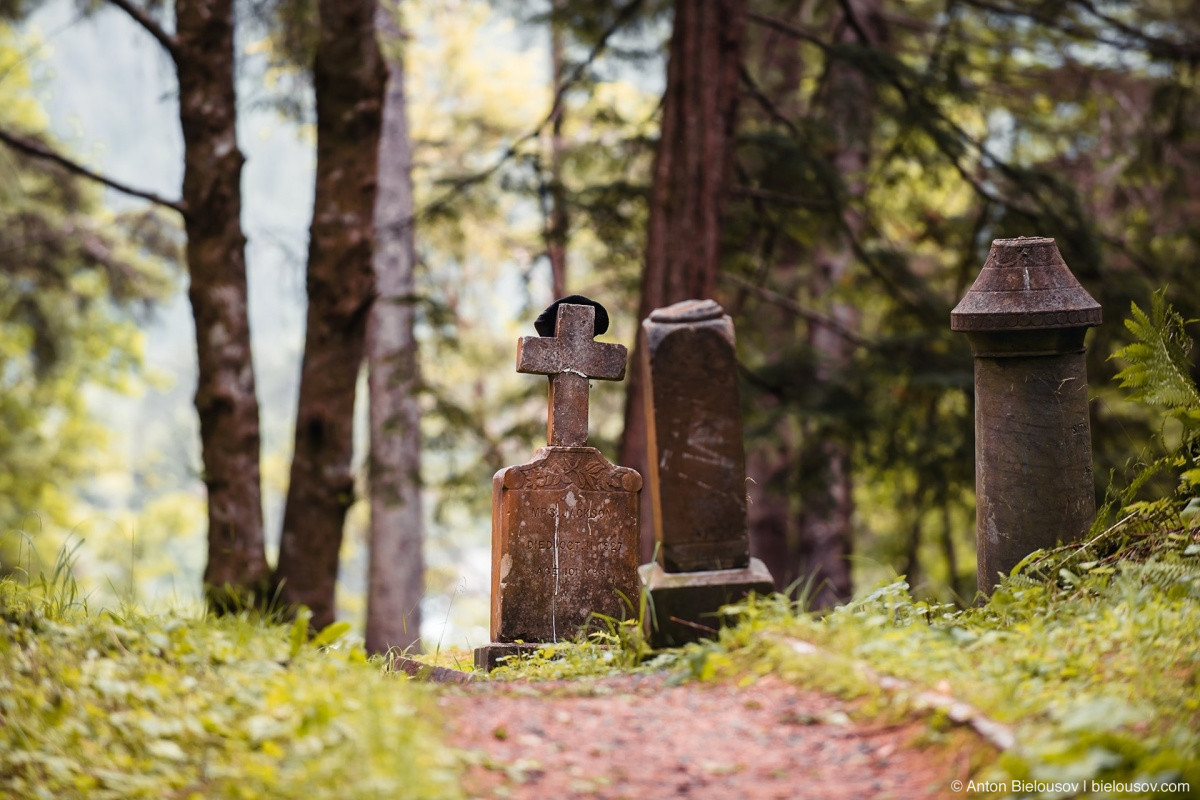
(636, 737)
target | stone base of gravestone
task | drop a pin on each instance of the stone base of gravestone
(683, 606)
(492, 655)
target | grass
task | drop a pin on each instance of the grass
(127, 705)
(1086, 654)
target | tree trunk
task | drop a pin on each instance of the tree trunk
(396, 575)
(557, 221)
(348, 78)
(825, 522)
(825, 544)
(768, 517)
(771, 465)
(689, 188)
(236, 574)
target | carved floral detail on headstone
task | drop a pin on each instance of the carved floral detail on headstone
(561, 470)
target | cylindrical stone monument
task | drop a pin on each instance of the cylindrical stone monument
(1026, 317)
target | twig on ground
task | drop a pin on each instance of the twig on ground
(996, 733)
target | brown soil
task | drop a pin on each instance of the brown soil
(637, 737)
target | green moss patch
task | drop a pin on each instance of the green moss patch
(128, 705)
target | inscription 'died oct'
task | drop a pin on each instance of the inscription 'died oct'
(564, 544)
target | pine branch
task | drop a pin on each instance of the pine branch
(151, 26)
(1175, 51)
(792, 307)
(948, 136)
(922, 305)
(768, 105)
(855, 24)
(783, 26)
(462, 184)
(1155, 46)
(780, 198)
(42, 152)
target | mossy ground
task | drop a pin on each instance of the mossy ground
(1087, 655)
(127, 705)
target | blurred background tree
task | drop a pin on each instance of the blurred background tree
(884, 146)
(866, 154)
(76, 280)
(878, 149)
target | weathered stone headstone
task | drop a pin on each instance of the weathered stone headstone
(565, 525)
(1026, 317)
(697, 472)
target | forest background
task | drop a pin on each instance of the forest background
(834, 175)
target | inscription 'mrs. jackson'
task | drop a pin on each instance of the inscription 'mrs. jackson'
(577, 545)
(590, 514)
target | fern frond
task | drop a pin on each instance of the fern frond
(1158, 368)
(1165, 575)
(1021, 580)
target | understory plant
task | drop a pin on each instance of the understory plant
(1157, 373)
(121, 704)
(1086, 652)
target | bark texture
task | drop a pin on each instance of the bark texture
(771, 466)
(348, 77)
(825, 540)
(689, 187)
(396, 574)
(557, 221)
(768, 517)
(237, 572)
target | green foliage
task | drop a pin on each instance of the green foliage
(1086, 650)
(125, 705)
(1157, 374)
(585, 658)
(74, 281)
(609, 647)
(894, 150)
(1090, 660)
(1158, 370)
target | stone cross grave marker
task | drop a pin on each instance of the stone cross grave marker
(569, 356)
(564, 525)
(697, 473)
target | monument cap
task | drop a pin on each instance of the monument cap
(688, 311)
(1024, 285)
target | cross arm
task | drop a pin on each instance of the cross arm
(546, 356)
(572, 351)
